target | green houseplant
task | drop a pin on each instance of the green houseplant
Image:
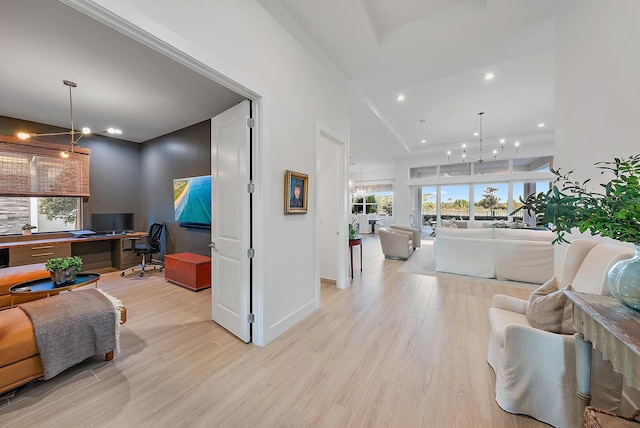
(610, 209)
(27, 228)
(63, 270)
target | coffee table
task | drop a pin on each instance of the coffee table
(39, 288)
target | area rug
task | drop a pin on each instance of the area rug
(422, 261)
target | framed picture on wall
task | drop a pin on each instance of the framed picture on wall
(296, 192)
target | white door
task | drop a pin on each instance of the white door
(230, 222)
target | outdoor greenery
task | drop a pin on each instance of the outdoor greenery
(611, 209)
(65, 209)
(53, 265)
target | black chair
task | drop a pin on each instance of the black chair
(150, 247)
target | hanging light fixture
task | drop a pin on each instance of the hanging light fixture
(75, 135)
(361, 191)
(495, 154)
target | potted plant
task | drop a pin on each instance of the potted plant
(26, 229)
(63, 270)
(611, 209)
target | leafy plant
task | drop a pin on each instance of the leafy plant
(58, 263)
(611, 209)
(353, 233)
(28, 226)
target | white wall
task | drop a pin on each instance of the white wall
(241, 41)
(597, 87)
(597, 83)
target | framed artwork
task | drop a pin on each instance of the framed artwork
(296, 192)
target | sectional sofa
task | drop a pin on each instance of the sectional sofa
(523, 255)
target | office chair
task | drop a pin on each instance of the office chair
(150, 247)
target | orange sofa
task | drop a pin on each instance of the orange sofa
(11, 276)
(19, 358)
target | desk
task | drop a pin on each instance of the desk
(602, 322)
(353, 243)
(104, 251)
(45, 287)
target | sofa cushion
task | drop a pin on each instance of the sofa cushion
(549, 309)
(524, 234)
(465, 233)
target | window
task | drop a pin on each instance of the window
(48, 214)
(429, 209)
(377, 200)
(454, 202)
(490, 201)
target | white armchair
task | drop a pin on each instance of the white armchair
(396, 244)
(363, 224)
(535, 369)
(416, 238)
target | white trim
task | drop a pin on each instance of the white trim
(137, 27)
(341, 253)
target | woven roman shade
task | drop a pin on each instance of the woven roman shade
(36, 168)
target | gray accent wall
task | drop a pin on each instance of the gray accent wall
(138, 178)
(183, 153)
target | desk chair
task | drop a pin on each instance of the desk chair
(150, 247)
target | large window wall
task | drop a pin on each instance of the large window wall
(482, 191)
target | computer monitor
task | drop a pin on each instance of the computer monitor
(112, 222)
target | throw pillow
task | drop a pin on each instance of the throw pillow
(549, 309)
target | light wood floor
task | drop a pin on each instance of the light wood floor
(395, 350)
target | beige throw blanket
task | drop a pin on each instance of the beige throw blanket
(73, 326)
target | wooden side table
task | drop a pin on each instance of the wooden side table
(353, 243)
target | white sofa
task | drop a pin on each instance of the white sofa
(536, 369)
(513, 254)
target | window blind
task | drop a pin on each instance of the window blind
(37, 168)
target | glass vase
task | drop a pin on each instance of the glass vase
(624, 281)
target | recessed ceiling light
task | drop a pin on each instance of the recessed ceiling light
(489, 76)
(423, 141)
(400, 97)
(113, 131)
(541, 125)
(475, 134)
(501, 140)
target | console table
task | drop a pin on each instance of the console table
(352, 243)
(605, 324)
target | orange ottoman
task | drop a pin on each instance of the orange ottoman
(189, 270)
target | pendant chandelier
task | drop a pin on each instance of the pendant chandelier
(495, 154)
(75, 135)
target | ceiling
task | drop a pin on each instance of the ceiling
(435, 52)
(120, 83)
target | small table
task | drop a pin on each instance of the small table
(373, 222)
(353, 243)
(45, 287)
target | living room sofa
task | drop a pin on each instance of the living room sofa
(512, 254)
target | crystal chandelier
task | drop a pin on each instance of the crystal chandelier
(495, 154)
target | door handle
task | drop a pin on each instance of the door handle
(212, 245)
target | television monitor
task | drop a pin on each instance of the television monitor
(112, 222)
(192, 201)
